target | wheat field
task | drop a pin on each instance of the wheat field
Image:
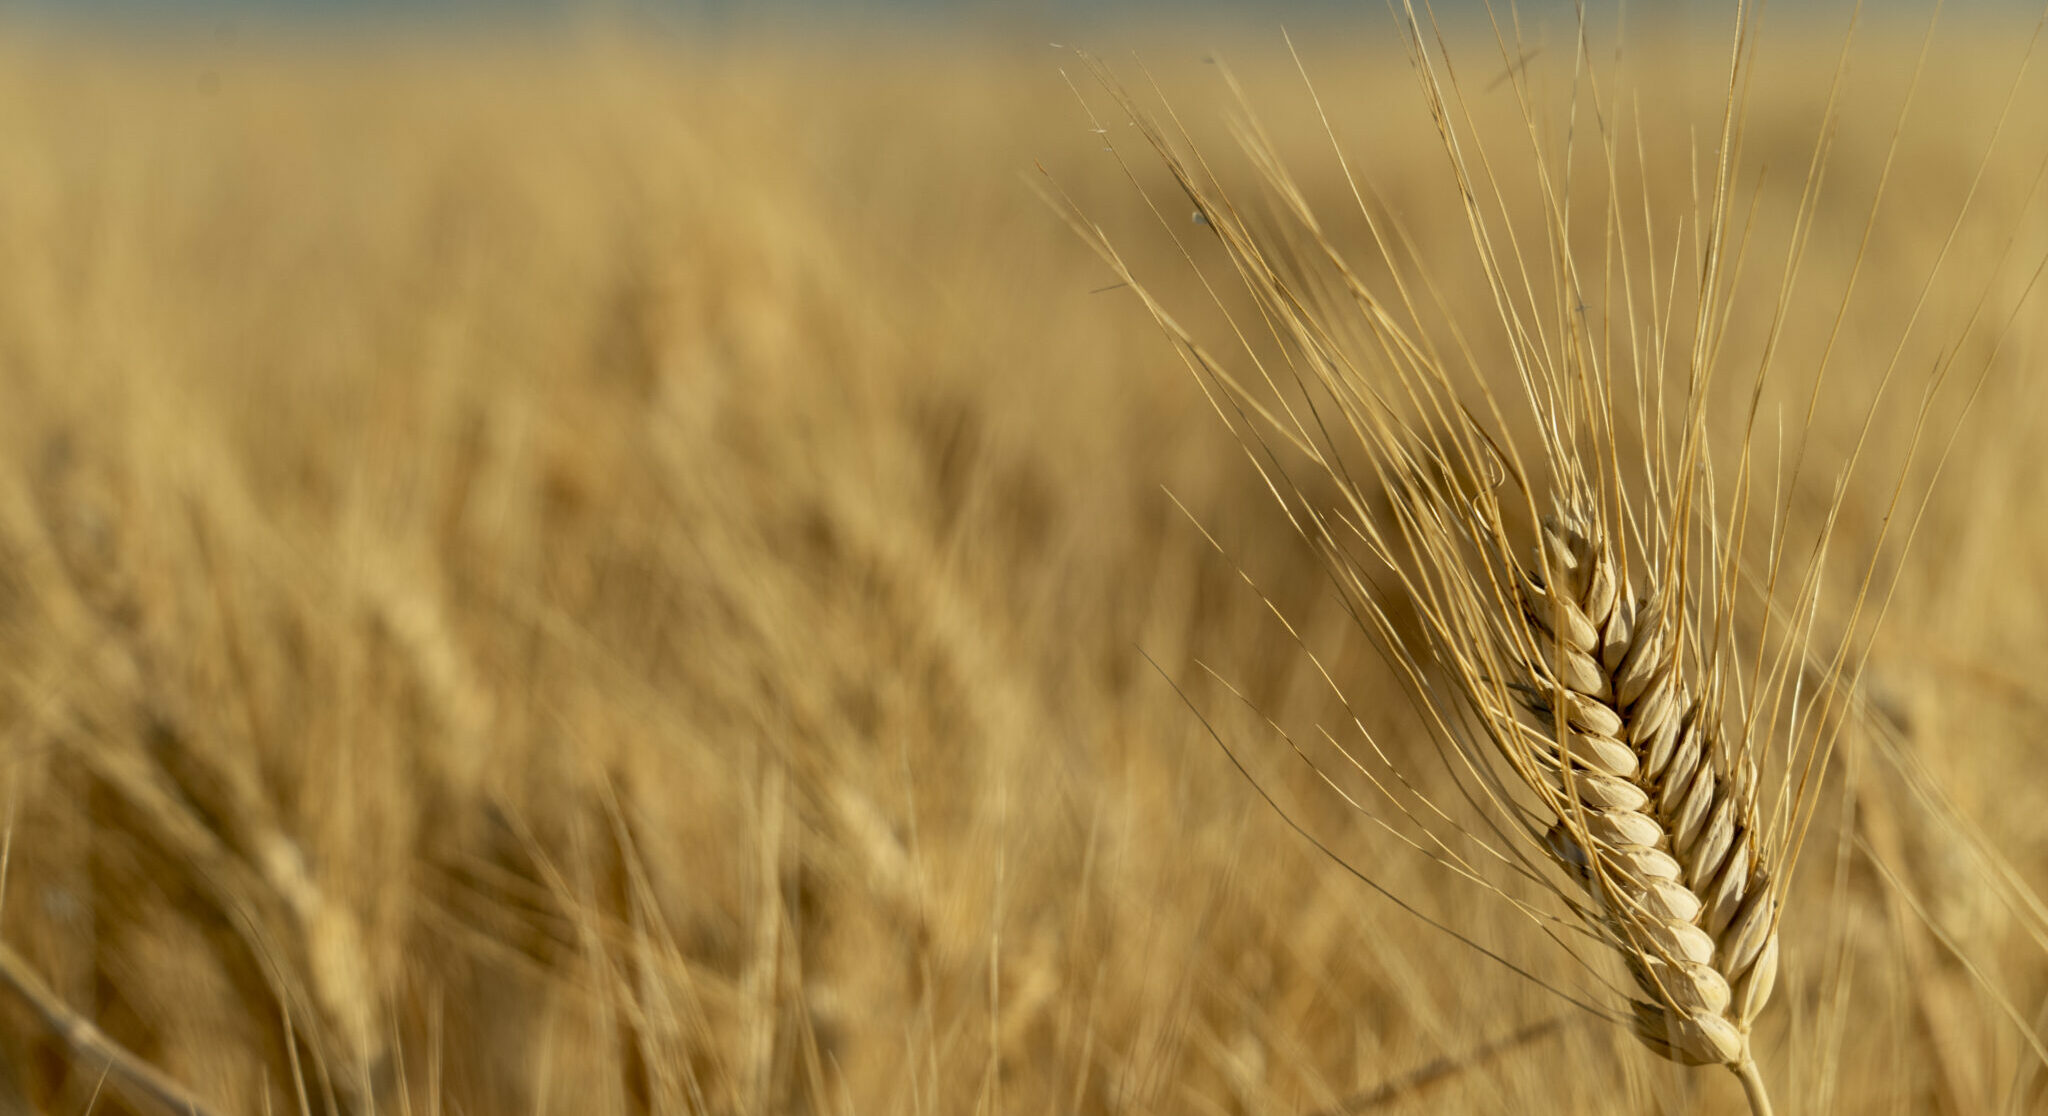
(581, 570)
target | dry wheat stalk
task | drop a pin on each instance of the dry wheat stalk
(1639, 791)
(1610, 740)
(129, 1074)
(1586, 716)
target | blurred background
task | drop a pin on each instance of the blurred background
(623, 558)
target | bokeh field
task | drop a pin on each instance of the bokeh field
(608, 571)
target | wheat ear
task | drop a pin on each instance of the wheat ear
(1655, 802)
(1602, 706)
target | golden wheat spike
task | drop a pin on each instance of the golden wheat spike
(1655, 801)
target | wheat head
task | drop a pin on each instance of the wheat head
(1610, 704)
(1655, 800)
(1586, 715)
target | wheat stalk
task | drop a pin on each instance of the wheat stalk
(1603, 707)
(91, 1046)
(1612, 740)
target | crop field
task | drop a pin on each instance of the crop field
(592, 570)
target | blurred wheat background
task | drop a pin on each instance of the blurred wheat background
(582, 570)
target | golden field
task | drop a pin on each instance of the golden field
(600, 572)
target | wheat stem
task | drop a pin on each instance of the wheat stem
(129, 1072)
(1753, 1087)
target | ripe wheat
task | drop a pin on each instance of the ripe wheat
(1595, 700)
(1655, 801)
